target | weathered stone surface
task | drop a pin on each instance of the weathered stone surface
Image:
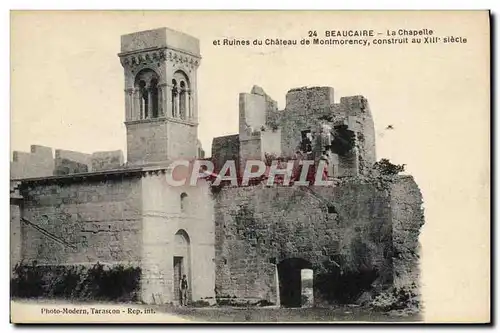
(157, 38)
(225, 148)
(258, 226)
(38, 163)
(107, 160)
(263, 129)
(70, 162)
(407, 219)
(83, 221)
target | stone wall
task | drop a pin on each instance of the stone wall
(407, 220)
(71, 162)
(360, 121)
(38, 163)
(309, 99)
(183, 141)
(82, 220)
(225, 148)
(107, 160)
(41, 163)
(147, 141)
(258, 227)
(170, 212)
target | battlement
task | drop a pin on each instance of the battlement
(40, 162)
(307, 99)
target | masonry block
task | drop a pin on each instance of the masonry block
(107, 160)
(71, 162)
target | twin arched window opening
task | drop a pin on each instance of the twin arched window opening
(181, 96)
(149, 95)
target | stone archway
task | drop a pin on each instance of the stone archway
(181, 262)
(290, 281)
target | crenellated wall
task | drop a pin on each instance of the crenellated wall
(263, 129)
(40, 162)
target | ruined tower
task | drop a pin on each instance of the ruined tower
(161, 111)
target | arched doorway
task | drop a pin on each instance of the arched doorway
(293, 275)
(181, 261)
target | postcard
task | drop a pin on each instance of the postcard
(250, 167)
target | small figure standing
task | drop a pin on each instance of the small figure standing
(184, 288)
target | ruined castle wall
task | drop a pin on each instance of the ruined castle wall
(271, 141)
(361, 122)
(308, 99)
(107, 160)
(304, 108)
(257, 227)
(38, 163)
(408, 218)
(70, 162)
(41, 163)
(252, 112)
(225, 148)
(250, 149)
(82, 221)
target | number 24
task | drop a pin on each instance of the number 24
(313, 33)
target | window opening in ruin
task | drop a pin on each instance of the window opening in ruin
(307, 295)
(295, 279)
(331, 209)
(306, 141)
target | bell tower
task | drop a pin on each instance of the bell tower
(161, 104)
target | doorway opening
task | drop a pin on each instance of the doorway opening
(295, 278)
(178, 271)
(182, 264)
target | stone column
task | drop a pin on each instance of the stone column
(162, 92)
(136, 108)
(149, 111)
(160, 101)
(174, 102)
(188, 105)
(128, 104)
(177, 105)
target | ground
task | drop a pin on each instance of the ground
(23, 311)
(290, 315)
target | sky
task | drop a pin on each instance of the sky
(67, 93)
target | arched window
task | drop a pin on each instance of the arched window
(182, 88)
(153, 87)
(174, 98)
(146, 84)
(143, 99)
(183, 201)
(182, 100)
